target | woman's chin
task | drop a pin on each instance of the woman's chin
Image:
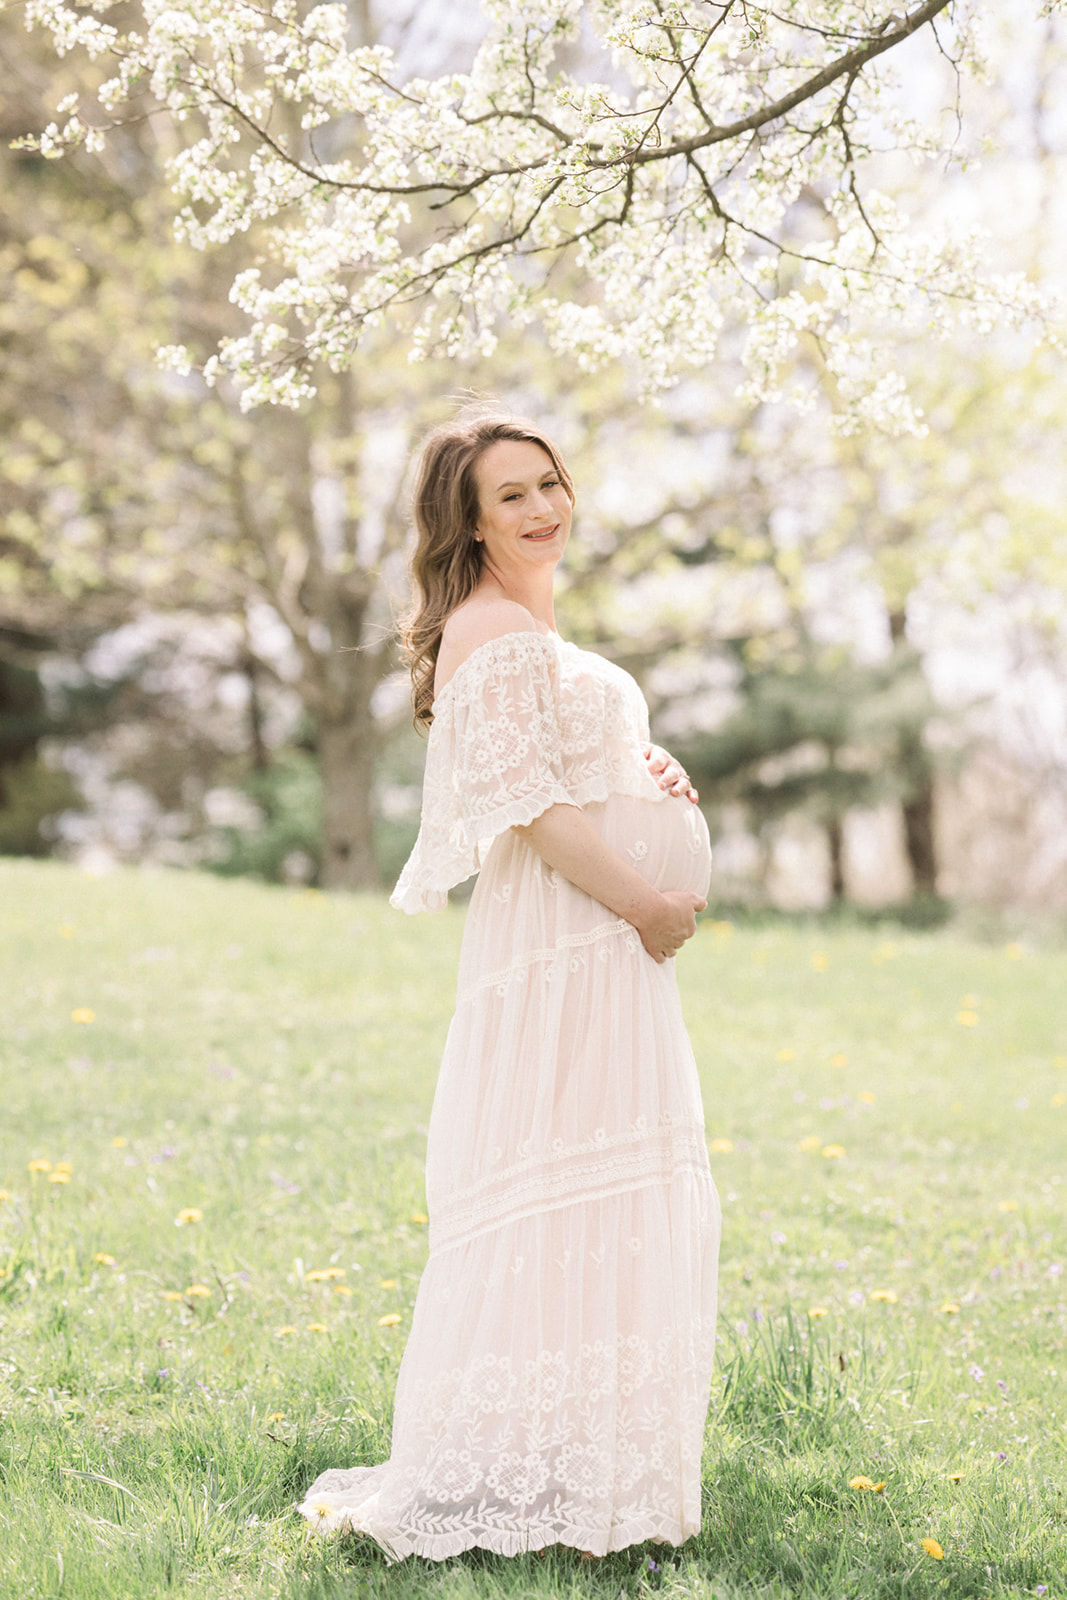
(543, 549)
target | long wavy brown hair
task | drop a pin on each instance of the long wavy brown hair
(447, 563)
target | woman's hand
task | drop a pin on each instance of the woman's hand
(565, 839)
(669, 923)
(668, 773)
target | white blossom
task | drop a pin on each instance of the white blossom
(717, 175)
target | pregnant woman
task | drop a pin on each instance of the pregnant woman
(555, 1383)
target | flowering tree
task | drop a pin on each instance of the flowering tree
(720, 174)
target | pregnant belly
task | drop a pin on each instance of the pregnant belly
(666, 840)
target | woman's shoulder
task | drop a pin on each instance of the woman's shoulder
(478, 622)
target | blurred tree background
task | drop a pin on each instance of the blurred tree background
(857, 643)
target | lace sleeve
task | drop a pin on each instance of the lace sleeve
(495, 761)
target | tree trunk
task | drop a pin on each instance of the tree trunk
(260, 758)
(347, 752)
(835, 833)
(919, 839)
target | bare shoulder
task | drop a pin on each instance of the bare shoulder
(476, 622)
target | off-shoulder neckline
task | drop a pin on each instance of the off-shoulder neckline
(515, 633)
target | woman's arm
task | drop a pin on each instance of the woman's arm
(567, 841)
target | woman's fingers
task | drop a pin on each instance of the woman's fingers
(669, 774)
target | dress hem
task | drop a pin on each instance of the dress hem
(508, 1542)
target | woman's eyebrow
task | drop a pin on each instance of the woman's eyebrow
(513, 484)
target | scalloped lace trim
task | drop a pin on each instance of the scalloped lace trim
(496, 1535)
(525, 723)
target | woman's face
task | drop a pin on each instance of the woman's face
(524, 515)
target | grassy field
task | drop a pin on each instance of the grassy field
(225, 1088)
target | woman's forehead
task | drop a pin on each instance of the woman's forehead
(511, 461)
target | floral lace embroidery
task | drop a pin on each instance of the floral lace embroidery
(526, 722)
(574, 1446)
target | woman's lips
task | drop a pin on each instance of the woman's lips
(544, 533)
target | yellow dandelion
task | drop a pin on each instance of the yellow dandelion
(722, 930)
(341, 1288)
(119, 1143)
(317, 1327)
(809, 1143)
(59, 1177)
(867, 1097)
(1058, 1099)
(64, 1166)
(820, 961)
(887, 1296)
(188, 1214)
(932, 1548)
(324, 1274)
(320, 1508)
(102, 1259)
(861, 1482)
(818, 1311)
(884, 952)
(785, 1055)
(66, 930)
(290, 1327)
(171, 1294)
(833, 1152)
(39, 1164)
(276, 1416)
(967, 1019)
(722, 1147)
(1014, 952)
(390, 1320)
(198, 1291)
(949, 1308)
(879, 1486)
(419, 1218)
(4, 1196)
(83, 1014)
(387, 1283)
(1008, 1205)
(839, 1060)
(954, 1477)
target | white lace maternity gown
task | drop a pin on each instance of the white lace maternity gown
(555, 1382)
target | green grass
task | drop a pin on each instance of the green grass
(268, 1057)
